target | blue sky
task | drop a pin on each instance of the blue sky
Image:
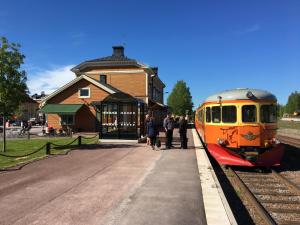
(212, 45)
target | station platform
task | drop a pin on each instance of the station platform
(180, 189)
(117, 184)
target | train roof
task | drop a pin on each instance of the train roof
(242, 94)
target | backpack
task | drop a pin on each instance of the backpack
(158, 143)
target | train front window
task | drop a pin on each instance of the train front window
(268, 114)
(216, 114)
(208, 117)
(228, 114)
(249, 113)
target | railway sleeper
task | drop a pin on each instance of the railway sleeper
(288, 222)
(261, 181)
(274, 193)
(283, 211)
(266, 201)
(266, 186)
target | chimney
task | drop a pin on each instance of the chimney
(155, 70)
(118, 51)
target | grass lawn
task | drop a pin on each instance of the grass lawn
(22, 147)
(288, 124)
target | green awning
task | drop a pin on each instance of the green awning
(60, 108)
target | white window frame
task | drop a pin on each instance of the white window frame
(67, 115)
(86, 88)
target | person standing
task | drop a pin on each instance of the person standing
(169, 127)
(147, 119)
(182, 132)
(152, 131)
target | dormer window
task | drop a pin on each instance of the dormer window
(103, 79)
(84, 92)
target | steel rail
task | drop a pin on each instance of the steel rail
(256, 204)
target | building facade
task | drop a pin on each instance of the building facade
(109, 95)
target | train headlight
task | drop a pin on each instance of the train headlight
(222, 142)
(249, 94)
(275, 141)
(267, 144)
(271, 142)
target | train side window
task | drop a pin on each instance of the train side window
(268, 114)
(249, 113)
(200, 116)
(208, 117)
(216, 114)
(228, 114)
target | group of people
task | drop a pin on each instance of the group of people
(152, 130)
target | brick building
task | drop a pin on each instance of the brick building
(109, 95)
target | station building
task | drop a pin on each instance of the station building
(109, 95)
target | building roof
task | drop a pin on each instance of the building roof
(118, 58)
(60, 108)
(106, 87)
(242, 94)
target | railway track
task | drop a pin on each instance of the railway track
(289, 140)
(275, 198)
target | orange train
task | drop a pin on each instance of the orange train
(239, 127)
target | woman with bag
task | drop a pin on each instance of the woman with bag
(152, 131)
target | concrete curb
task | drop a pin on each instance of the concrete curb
(216, 206)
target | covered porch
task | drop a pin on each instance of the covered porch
(120, 116)
(68, 117)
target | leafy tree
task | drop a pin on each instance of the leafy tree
(180, 99)
(293, 103)
(13, 86)
(280, 110)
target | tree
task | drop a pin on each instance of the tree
(180, 99)
(13, 88)
(280, 110)
(293, 103)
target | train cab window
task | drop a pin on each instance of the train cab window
(249, 113)
(228, 114)
(200, 116)
(268, 114)
(216, 114)
(207, 115)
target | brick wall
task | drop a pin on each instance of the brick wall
(85, 119)
(133, 83)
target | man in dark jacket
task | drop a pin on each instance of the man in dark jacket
(152, 131)
(169, 127)
(182, 132)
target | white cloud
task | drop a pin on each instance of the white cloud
(248, 30)
(50, 80)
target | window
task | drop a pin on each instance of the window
(216, 114)
(66, 119)
(268, 114)
(249, 113)
(228, 114)
(208, 117)
(84, 92)
(103, 79)
(200, 116)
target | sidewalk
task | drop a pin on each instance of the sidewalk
(114, 184)
(170, 194)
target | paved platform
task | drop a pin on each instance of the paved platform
(110, 184)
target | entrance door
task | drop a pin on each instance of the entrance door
(128, 121)
(109, 121)
(119, 120)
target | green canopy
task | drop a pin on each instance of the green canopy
(60, 108)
